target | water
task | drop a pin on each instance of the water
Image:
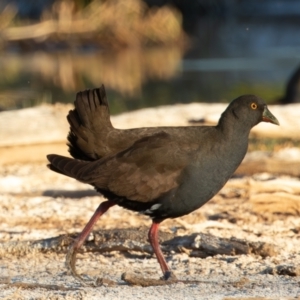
(228, 58)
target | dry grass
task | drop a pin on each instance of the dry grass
(276, 203)
(272, 144)
(112, 24)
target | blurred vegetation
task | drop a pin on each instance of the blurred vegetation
(79, 44)
(123, 71)
(272, 144)
(111, 24)
(268, 92)
(134, 49)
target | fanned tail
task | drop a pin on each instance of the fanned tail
(91, 116)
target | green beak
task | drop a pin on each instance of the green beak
(269, 117)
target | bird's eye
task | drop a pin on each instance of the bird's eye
(253, 105)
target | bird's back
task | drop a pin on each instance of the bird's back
(92, 135)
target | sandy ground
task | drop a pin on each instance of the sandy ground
(36, 203)
(30, 212)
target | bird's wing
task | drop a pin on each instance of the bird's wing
(144, 171)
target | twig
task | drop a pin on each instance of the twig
(126, 240)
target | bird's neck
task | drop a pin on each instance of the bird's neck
(233, 128)
(235, 137)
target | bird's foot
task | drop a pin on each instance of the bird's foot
(70, 264)
(170, 276)
(133, 279)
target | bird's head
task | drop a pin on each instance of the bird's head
(249, 110)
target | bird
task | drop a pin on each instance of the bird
(292, 89)
(161, 172)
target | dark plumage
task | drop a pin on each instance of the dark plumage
(163, 172)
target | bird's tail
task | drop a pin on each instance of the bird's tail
(66, 165)
(90, 116)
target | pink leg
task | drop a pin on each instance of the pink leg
(153, 239)
(71, 255)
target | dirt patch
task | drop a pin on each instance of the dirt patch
(37, 204)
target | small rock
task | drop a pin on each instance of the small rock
(288, 270)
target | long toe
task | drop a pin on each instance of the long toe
(70, 264)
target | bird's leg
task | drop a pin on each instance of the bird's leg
(153, 239)
(71, 255)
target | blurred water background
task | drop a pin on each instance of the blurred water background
(148, 53)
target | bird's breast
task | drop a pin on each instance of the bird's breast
(201, 180)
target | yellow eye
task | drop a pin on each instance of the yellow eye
(253, 105)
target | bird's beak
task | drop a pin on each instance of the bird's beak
(269, 117)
